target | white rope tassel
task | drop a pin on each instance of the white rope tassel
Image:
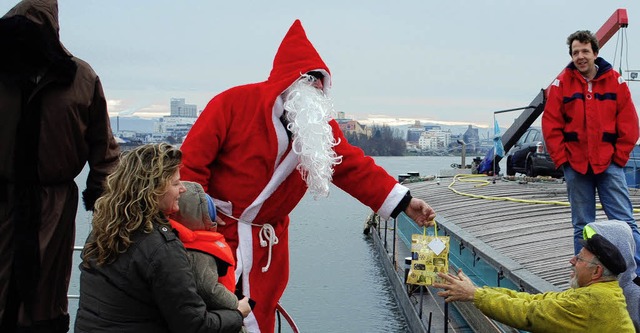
(269, 233)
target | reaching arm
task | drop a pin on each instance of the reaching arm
(366, 181)
(417, 209)
(549, 312)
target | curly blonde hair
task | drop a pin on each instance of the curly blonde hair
(131, 200)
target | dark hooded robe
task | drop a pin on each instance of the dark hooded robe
(53, 120)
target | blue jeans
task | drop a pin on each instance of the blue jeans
(614, 197)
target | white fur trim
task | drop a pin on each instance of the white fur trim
(281, 132)
(243, 267)
(225, 207)
(244, 252)
(393, 199)
(280, 174)
(251, 324)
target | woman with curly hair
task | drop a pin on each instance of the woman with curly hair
(135, 274)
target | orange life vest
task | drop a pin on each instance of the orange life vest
(210, 242)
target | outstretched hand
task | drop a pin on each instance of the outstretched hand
(420, 212)
(458, 287)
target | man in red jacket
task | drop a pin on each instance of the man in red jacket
(590, 126)
(257, 148)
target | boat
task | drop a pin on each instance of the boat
(511, 232)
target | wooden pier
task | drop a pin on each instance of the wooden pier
(506, 231)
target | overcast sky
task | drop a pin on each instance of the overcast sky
(447, 61)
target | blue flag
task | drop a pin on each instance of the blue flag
(497, 139)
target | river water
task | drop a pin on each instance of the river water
(336, 283)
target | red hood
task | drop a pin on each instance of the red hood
(296, 55)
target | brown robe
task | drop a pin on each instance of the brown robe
(53, 120)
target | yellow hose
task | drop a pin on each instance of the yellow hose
(484, 182)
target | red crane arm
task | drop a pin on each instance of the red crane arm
(618, 19)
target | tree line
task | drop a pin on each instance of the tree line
(384, 141)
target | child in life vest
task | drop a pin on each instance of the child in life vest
(211, 258)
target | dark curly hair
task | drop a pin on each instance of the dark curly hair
(584, 36)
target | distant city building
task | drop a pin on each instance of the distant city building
(471, 137)
(434, 139)
(417, 130)
(414, 132)
(178, 124)
(180, 109)
(174, 126)
(412, 147)
(348, 125)
(126, 134)
(352, 126)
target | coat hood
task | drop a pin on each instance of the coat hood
(603, 67)
(31, 30)
(44, 13)
(296, 56)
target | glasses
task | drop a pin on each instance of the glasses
(578, 257)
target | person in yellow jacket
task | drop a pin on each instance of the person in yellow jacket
(594, 303)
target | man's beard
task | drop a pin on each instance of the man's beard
(308, 114)
(573, 282)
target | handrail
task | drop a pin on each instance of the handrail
(287, 317)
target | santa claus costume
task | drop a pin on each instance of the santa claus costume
(240, 152)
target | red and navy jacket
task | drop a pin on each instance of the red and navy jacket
(590, 124)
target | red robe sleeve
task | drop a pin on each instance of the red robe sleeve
(359, 176)
(201, 146)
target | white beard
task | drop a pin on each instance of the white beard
(308, 114)
(573, 282)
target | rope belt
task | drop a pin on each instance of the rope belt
(269, 233)
(267, 236)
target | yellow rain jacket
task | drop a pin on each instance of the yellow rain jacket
(599, 307)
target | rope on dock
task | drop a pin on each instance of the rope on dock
(484, 182)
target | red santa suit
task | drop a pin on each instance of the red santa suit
(239, 151)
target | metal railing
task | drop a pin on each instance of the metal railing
(424, 311)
